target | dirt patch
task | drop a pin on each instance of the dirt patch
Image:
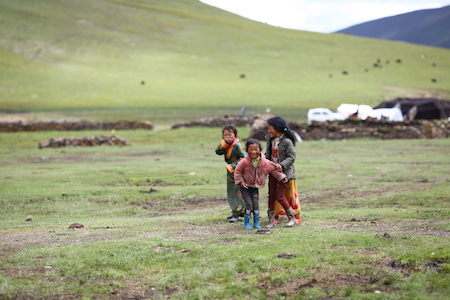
(152, 183)
(322, 280)
(167, 208)
(393, 228)
(432, 265)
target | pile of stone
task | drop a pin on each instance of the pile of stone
(72, 125)
(216, 122)
(97, 140)
(340, 130)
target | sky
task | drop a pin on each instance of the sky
(325, 16)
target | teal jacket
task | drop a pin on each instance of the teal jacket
(232, 154)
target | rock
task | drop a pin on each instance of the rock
(76, 225)
(29, 218)
(151, 191)
(72, 125)
(263, 231)
(99, 140)
(342, 130)
(285, 255)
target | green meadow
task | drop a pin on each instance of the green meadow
(375, 221)
(375, 213)
(84, 59)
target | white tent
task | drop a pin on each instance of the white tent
(362, 111)
(390, 114)
(365, 111)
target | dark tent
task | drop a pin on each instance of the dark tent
(420, 108)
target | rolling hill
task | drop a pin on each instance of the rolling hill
(430, 27)
(182, 59)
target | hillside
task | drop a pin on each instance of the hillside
(430, 27)
(161, 60)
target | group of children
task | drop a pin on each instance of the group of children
(248, 169)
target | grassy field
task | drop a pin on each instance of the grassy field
(375, 221)
(159, 60)
(375, 213)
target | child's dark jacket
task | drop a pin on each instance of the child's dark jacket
(255, 177)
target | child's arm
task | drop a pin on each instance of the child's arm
(290, 156)
(239, 174)
(221, 149)
(280, 176)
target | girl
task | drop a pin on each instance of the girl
(250, 174)
(281, 150)
(233, 152)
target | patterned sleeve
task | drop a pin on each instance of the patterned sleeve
(238, 154)
(221, 148)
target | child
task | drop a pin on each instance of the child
(250, 174)
(281, 150)
(233, 152)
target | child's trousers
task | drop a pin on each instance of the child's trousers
(251, 198)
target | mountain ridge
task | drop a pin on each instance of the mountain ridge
(430, 27)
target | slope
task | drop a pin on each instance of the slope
(149, 59)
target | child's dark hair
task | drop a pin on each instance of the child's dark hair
(252, 142)
(230, 127)
(280, 125)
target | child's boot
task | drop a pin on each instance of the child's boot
(247, 223)
(292, 220)
(247, 220)
(271, 215)
(256, 219)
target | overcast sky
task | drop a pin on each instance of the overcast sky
(324, 16)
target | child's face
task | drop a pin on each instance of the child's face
(228, 136)
(272, 132)
(253, 151)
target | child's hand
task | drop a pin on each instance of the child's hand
(279, 168)
(284, 180)
(228, 140)
(244, 185)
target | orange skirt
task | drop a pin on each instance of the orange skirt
(291, 196)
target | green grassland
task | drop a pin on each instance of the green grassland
(73, 59)
(375, 213)
(375, 221)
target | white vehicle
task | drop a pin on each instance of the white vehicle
(323, 114)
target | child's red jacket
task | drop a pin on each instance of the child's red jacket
(256, 177)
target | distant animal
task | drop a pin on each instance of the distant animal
(242, 75)
(344, 72)
(433, 80)
(142, 82)
(398, 60)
